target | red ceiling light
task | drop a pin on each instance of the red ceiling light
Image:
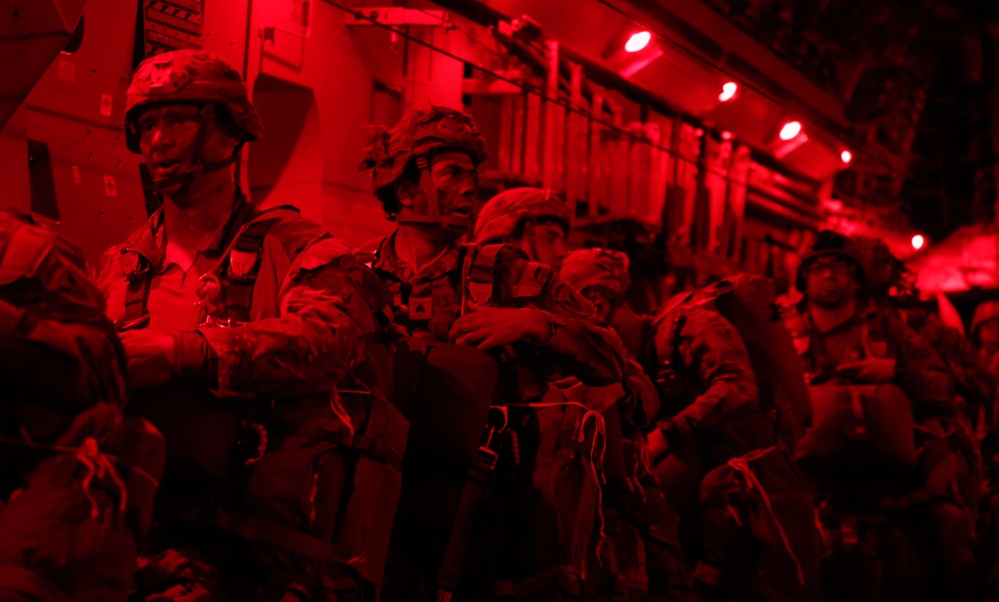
(846, 156)
(918, 242)
(728, 91)
(790, 130)
(638, 41)
(726, 135)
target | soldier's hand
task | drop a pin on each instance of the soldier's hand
(150, 358)
(870, 370)
(495, 327)
(657, 443)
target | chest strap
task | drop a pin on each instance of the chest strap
(138, 273)
(479, 272)
(243, 265)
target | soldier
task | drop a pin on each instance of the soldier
(869, 371)
(484, 297)
(718, 455)
(236, 323)
(632, 496)
(76, 481)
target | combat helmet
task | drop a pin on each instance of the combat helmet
(504, 213)
(411, 143)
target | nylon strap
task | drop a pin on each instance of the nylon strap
(139, 275)
(241, 271)
(481, 277)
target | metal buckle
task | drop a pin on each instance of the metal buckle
(242, 265)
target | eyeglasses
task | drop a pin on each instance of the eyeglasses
(836, 267)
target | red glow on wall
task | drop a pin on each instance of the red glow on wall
(918, 241)
(790, 130)
(846, 156)
(728, 91)
(638, 41)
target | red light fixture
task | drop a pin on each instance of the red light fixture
(918, 241)
(728, 91)
(726, 135)
(846, 156)
(790, 130)
(638, 41)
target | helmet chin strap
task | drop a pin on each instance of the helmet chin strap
(433, 215)
(532, 240)
(196, 166)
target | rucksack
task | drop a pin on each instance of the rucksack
(748, 302)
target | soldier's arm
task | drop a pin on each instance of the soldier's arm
(583, 347)
(713, 352)
(920, 372)
(641, 402)
(306, 350)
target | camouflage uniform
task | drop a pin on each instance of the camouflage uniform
(271, 326)
(518, 536)
(76, 480)
(861, 513)
(643, 552)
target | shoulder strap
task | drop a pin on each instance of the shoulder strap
(479, 272)
(243, 265)
(138, 273)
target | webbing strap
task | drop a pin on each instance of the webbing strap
(243, 266)
(480, 273)
(475, 490)
(139, 275)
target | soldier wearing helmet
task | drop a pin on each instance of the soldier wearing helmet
(227, 313)
(836, 310)
(636, 516)
(534, 219)
(464, 300)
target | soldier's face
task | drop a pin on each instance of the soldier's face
(831, 281)
(168, 142)
(548, 245)
(601, 302)
(456, 179)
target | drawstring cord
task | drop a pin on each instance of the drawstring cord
(97, 463)
(598, 448)
(741, 464)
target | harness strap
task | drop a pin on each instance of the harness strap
(242, 269)
(480, 273)
(138, 273)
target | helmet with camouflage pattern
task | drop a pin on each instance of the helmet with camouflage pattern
(504, 213)
(411, 143)
(186, 76)
(828, 243)
(601, 268)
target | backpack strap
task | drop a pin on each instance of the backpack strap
(242, 264)
(479, 272)
(138, 273)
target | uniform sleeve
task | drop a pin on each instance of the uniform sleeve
(306, 350)
(583, 347)
(641, 403)
(712, 353)
(922, 374)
